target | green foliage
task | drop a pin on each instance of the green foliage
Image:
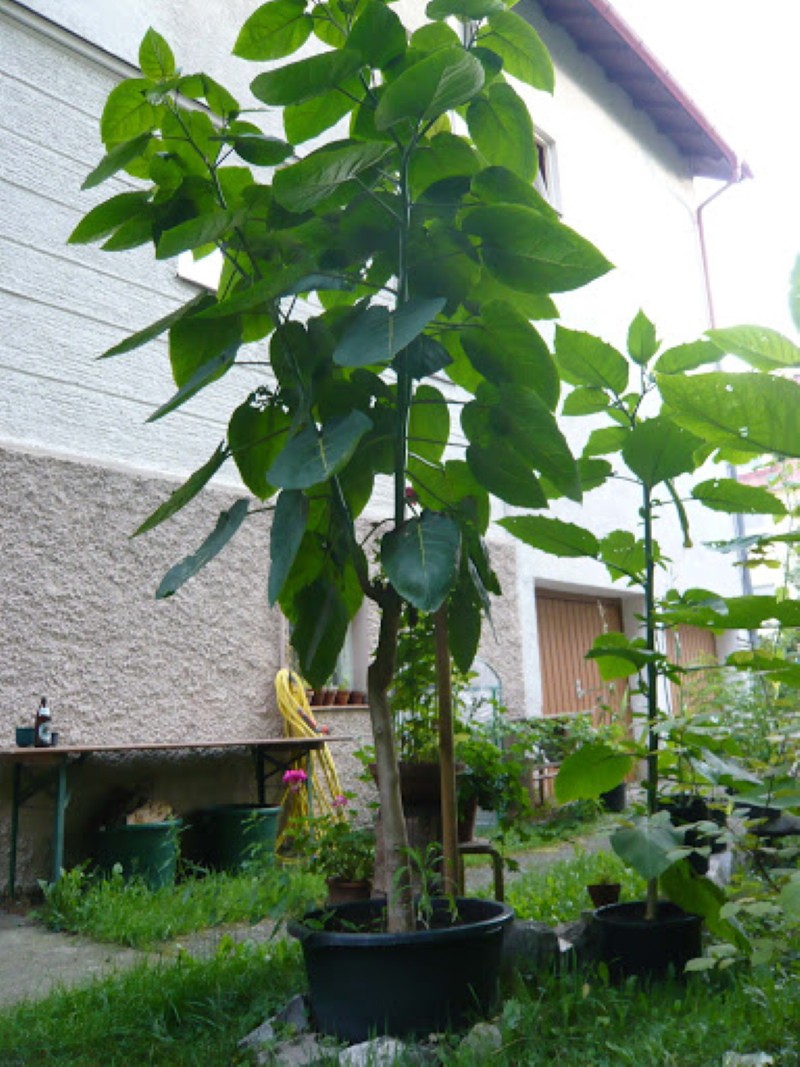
(333, 845)
(129, 913)
(181, 1012)
(556, 892)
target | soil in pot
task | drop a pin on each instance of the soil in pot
(631, 945)
(372, 982)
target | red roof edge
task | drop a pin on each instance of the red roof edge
(739, 169)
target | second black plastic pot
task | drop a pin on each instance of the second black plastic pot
(650, 948)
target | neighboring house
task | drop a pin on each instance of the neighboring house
(620, 146)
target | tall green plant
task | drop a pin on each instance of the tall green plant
(429, 252)
(664, 423)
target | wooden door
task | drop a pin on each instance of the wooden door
(568, 626)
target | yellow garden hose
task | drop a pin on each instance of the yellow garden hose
(324, 785)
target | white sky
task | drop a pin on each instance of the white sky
(737, 59)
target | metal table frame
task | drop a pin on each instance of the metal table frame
(36, 770)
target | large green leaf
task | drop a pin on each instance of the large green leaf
(188, 491)
(552, 535)
(117, 159)
(624, 555)
(256, 148)
(197, 232)
(701, 608)
(108, 217)
(141, 337)
(604, 440)
(701, 896)
(687, 357)
(727, 494)
(585, 400)
(428, 424)
(592, 769)
(451, 485)
(155, 57)
(466, 9)
(650, 845)
(128, 112)
(227, 525)
(658, 450)
(257, 433)
(586, 360)
(320, 627)
(314, 456)
(499, 185)
(464, 621)
(504, 347)
(420, 559)
(313, 117)
(642, 340)
(305, 79)
(260, 295)
(443, 156)
(501, 127)
(274, 30)
(303, 185)
(753, 413)
(192, 343)
(528, 251)
(521, 49)
(288, 528)
(378, 34)
(205, 374)
(617, 656)
(759, 346)
(502, 471)
(441, 81)
(378, 334)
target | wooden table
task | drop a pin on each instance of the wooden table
(36, 769)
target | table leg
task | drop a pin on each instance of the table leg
(58, 826)
(260, 785)
(12, 847)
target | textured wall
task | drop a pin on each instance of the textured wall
(80, 624)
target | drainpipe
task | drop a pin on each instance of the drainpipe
(742, 172)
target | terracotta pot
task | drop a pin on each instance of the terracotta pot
(342, 891)
(603, 893)
(358, 696)
(342, 697)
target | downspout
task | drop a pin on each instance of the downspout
(741, 173)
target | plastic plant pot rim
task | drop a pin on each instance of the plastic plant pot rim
(500, 916)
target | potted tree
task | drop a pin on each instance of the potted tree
(698, 414)
(428, 252)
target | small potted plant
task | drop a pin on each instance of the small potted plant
(339, 849)
(604, 891)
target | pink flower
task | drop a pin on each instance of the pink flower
(340, 801)
(295, 780)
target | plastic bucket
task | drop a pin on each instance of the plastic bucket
(144, 850)
(230, 835)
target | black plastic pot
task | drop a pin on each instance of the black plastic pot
(430, 980)
(631, 945)
(614, 799)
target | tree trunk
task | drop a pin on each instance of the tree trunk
(400, 910)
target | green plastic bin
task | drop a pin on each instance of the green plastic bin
(144, 850)
(229, 835)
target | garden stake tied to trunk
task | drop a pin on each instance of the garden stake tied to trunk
(430, 252)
